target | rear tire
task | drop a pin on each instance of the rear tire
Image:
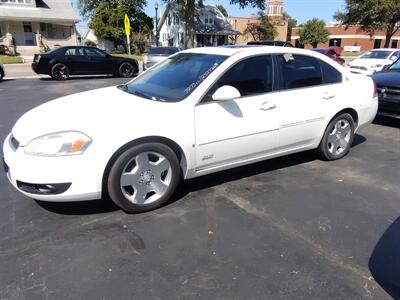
(59, 72)
(1, 76)
(338, 138)
(143, 177)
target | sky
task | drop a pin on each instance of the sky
(301, 10)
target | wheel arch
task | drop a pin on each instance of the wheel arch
(180, 154)
(135, 63)
(352, 112)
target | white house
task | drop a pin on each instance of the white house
(211, 27)
(87, 34)
(31, 25)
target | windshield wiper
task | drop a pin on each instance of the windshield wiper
(124, 87)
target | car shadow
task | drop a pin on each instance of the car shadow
(105, 204)
(80, 77)
(384, 263)
(387, 121)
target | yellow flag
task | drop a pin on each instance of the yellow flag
(127, 26)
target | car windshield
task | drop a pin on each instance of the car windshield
(163, 51)
(175, 78)
(377, 54)
(395, 66)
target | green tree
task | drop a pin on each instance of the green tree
(314, 32)
(107, 21)
(222, 10)
(264, 30)
(291, 23)
(372, 15)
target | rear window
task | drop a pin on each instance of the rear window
(163, 51)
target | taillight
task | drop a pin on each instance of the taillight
(375, 90)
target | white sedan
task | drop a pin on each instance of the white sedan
(374, 61)
(200, 111)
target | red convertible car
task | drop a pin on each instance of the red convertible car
(332, 52)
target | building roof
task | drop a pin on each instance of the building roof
(54, 11)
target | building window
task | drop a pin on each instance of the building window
(335, 42)
(377, 43)
(394, 42)
(53, 31)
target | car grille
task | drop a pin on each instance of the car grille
(359, 68)
(14, 143)
(389, 99)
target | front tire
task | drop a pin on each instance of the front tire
(60, 72)
(338, 138)
(127, 69)
(144, 177)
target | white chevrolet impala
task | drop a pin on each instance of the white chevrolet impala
(200, 111)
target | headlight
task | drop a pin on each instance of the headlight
(59, 144)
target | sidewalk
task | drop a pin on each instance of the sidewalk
(19, 71)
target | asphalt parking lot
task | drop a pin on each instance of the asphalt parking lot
(288, 228)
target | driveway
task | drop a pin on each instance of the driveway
(289, 228)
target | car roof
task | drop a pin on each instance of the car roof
(232, 50)
(385, 49)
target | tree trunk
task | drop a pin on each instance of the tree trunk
(389, 35)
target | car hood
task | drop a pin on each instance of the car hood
(369, 62)
(389, 78)
(94, 113)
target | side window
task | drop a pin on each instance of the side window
(94, 52)
(330, 74)
(299, 72)
(73, 52)
(250, 76)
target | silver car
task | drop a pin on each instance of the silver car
(2, 74)
(156, 54)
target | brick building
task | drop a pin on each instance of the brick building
(274, 12)
(353, 37)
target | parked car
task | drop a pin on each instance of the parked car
(270, 43)
(374, 61)
(333, 53)
(2, 73)
(388, 82)
(223, 108)
(157, 54)
(82, 60)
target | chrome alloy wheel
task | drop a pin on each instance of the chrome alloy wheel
(339, 137)
(127, 69)
(146, 178)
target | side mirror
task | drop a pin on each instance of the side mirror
(226, 92)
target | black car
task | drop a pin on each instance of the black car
(388, 82)
(2, 73)
(62, 62)
(270, 43)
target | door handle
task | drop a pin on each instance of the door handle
(328, 96)
(267, 106)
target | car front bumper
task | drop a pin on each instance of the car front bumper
(68, 178)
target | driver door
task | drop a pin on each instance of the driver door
(242, 129)
(98, 62)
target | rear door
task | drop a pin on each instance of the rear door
(309, 88)
(76, 60)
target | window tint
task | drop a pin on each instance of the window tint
(250, 76)
(302, 71)
(330, 74)
(74, 51)
(94, 52)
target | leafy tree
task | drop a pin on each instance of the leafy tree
(222, 10)
(372, 15)
(314, 32)
(291, 23)
(107, 21)
(260, 4)
(264, 30)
